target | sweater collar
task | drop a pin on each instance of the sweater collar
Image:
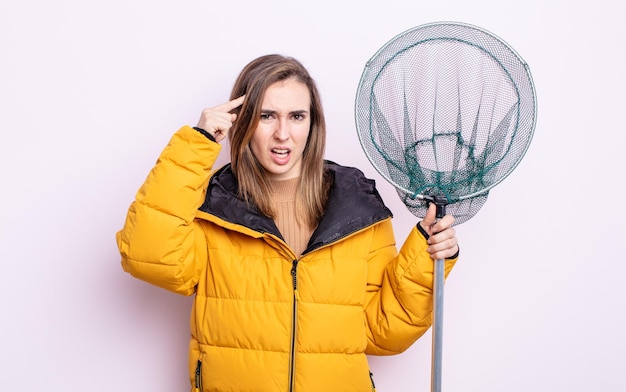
(285, 190)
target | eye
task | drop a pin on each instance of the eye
(267, 116)
(298, 116)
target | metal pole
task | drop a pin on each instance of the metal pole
(437, 329)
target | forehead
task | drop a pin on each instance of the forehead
(289, 94)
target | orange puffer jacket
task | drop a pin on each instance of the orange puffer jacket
(262, 319)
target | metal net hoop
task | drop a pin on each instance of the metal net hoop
(445, 109)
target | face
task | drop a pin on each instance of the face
(279, 139)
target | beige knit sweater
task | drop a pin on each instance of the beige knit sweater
(295, 232)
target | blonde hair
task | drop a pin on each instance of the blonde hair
(253, 184)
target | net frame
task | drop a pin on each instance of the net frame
(367, 112)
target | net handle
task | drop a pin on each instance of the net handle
(437, 349)
(438, 291)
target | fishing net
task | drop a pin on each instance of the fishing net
(444, 112)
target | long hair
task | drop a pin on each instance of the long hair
(254, 186)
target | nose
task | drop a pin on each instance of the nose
(281, 131)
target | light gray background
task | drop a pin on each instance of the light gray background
(91, 91)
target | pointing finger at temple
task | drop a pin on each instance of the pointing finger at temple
(230, 105)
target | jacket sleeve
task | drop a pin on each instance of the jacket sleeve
(161, 242)
(399, 291)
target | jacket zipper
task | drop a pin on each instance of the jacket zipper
(292, 348)
(198, 376)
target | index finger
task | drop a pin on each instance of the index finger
(230, 105)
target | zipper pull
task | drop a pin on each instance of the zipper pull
(372, 380)
(294, 279)
(198, 376)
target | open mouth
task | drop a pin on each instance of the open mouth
(281, 152)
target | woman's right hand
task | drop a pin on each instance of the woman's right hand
(218, 120)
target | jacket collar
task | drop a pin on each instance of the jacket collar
(353, 204)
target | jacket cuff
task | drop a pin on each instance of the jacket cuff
(421, 230)
(205, 133)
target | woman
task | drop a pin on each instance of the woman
(292, 259)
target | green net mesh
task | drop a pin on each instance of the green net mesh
(446, 110)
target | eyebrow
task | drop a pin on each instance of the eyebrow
(268, 111)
